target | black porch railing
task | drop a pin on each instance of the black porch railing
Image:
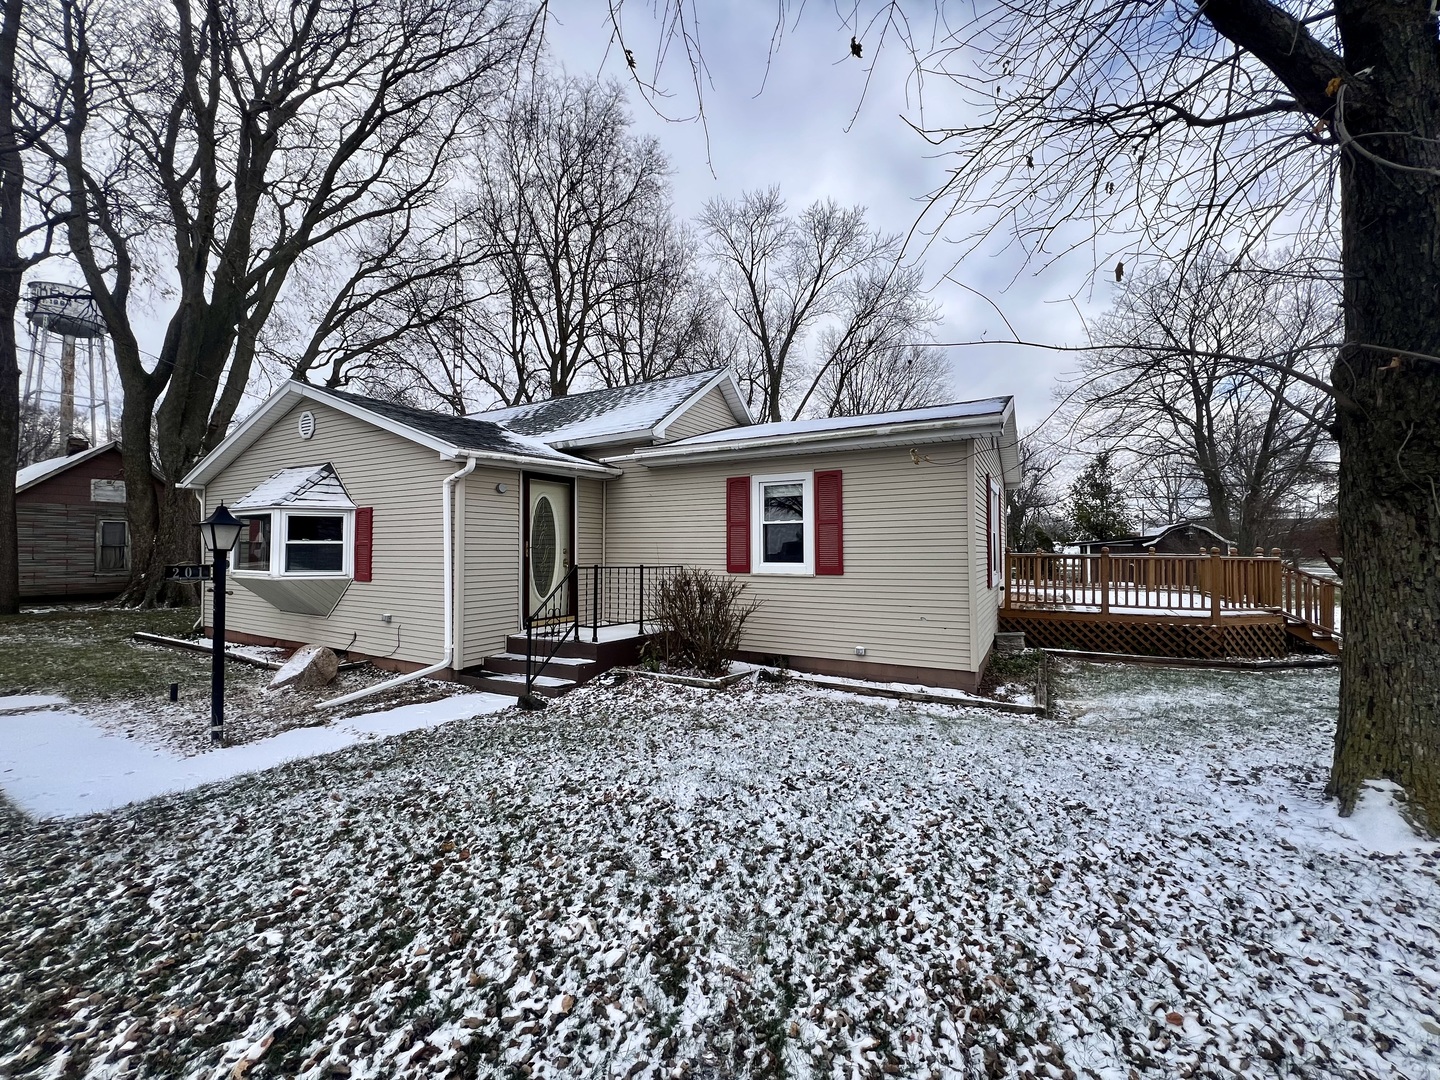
(585, 600)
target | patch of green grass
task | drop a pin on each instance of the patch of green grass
(87, 654)
(1017, 667)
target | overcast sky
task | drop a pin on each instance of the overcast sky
(793, 128)
(802, 125)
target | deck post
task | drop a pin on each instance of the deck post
(1105, 581)
(1217, 584)
(1150, 577)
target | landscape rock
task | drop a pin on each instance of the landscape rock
(311, 667)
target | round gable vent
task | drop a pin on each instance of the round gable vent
(307, 424)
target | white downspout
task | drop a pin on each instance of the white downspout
(447, 517)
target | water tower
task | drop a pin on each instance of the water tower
(61, 317)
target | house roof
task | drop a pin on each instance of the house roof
(616, 413)
(41, 471)
(1154, 536)
(452, 437)
(993, 417)
(309, 485)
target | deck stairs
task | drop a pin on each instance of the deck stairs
(1310, 635)
(574, 664)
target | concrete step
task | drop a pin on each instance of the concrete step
(575, 668)
(515, 645)
(513, 685)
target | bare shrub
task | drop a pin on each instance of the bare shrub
(702, 616)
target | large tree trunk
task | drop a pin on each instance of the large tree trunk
(1389, 431)
(12, 183)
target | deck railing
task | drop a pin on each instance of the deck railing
(1183, 584)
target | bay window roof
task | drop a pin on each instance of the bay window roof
(307, 487)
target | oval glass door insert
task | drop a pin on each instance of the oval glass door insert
(544, 543)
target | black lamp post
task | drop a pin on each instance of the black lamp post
(219, 531)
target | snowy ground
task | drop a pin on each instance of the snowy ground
(59, 761)
(655, 881)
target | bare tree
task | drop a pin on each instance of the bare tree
(565, 194)
(1034, 519)
(22, 115)
(663, 316)
(207, 148)
(1170, 389)
(1166, 124)
(824, 275)
(869, 358)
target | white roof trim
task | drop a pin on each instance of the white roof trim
(258, 422)
(725, 381)
(1000, 423)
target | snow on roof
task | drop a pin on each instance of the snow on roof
(464, 432)
(598, 415)
(31, 475)
(307, 486)
(779, 429)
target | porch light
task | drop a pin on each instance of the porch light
(221, 530)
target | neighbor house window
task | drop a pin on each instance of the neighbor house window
(112, 546)
(253, 550)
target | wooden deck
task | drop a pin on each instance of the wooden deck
(1202, 606)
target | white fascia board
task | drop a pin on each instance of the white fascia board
(609, 437)
(1010, 470)
(258, 422)
(239, 439)
(823, 442)
(574, 467)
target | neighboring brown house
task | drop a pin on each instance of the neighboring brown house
(1182, 538)
(74, 538)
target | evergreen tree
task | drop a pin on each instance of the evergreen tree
(1097, 506)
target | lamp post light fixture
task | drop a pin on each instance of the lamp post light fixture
(220, 531)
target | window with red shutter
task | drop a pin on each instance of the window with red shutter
(989, 534)
(737, 525)
(364, 543)
(829, 523)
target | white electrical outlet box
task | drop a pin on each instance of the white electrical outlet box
(386, 618)
(859, 650)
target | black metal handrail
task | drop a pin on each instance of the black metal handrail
(598, 596)
(547, 622)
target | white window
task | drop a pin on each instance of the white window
(995, 541)
(296, 543)
(112, 547)
(782, 515)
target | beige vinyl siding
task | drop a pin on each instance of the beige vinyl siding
(381, 470)
(491, 553)
(987, 600)
(589, 522)
(710, 413)
(904, 595)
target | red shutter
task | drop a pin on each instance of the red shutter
(829, 523)
(737, 524)
(364, 542)
(989, 535)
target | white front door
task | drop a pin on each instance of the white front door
(547, 548)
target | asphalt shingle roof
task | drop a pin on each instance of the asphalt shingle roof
(596, 415)
(465, 432)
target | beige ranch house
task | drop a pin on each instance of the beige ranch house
(429, 542)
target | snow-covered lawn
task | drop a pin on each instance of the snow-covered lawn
(57, 760)
(655, 881)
